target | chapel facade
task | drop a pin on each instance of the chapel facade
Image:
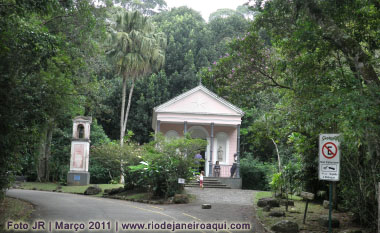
(205, 115)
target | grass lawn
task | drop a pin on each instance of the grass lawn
(263, 194)
(14, 209)
(138, 196)
(127, 195)
(295, 214)
(65, 189)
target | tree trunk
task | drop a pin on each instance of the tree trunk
(124, 118)
(49, 137)
(43, 171)
(125, 113)
(124, 91)
(41, 154)
(278, 156)
(129, 105)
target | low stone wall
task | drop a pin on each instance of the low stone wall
(234, 183)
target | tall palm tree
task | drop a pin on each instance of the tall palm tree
(137, 49)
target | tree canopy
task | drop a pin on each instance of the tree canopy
(314, 65)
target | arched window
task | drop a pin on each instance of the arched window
(198, 132)
(171, 134)
(80, 131)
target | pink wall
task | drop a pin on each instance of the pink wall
(231, 132)
(232, 136)
(165, 127)
(200, 107)
(199, 102)
(199, 119)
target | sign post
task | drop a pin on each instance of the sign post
(181, 181)
(329, 163)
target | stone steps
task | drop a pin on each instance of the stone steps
(208, 186)
(208, 183)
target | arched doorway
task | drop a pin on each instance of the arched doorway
(201, 132)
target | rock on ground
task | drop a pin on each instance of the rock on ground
(114, 191)
(290, 202)
(206, 206)
(180, 199)
(285, 226)
(324, 221)
(277, 214)
(272, 202)
(326, 204)
(92, 190)
(294, 210)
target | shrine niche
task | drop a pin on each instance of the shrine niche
(80, 151)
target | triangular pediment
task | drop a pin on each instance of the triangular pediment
(199, 100)
(83, 119)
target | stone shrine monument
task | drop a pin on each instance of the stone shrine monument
(80, 150)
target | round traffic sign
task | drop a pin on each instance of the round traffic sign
(329, 150)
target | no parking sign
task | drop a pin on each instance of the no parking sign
(329, 157)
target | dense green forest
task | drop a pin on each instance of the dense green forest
(297, 69)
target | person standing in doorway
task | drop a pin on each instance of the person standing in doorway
(234, 166)
(201, 179)
(198, 158)
(217, 169)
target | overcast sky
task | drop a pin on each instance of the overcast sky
(206, 7)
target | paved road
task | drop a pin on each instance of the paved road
(58, 210)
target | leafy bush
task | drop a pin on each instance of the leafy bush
(106, 159)
(255, 174)
(162, 163)
(277, 182)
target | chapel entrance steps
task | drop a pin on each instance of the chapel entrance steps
(208, 182)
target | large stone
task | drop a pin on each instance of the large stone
(326, 204)
(180, 199)
(285, 226)
(324, 221)
(294, 210)
(262, 203)
(290, 202)
(114, 191)
(277, 214)
(107, 191)
(92, 190)
(271, 202)
(206, 206)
